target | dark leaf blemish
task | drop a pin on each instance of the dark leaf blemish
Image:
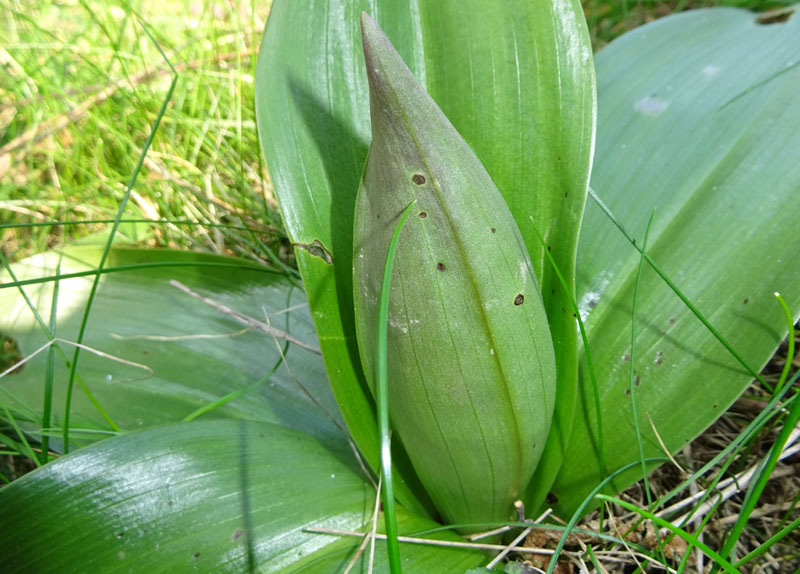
(237, 534)
(519, 299)
(746, 301)
(440, 266)
(494, 230)
(317, 249)
(775, 17)
(551, 498)
(196, 555)
(418, 179)
(422, 215)
(626, 357)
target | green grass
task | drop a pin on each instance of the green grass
(81, 84)
(86, 72)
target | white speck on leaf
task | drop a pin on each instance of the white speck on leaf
(590, 299)
(398, 325)
(650, 106)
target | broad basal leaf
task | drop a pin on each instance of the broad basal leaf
(700, 120)
(219, 496)
(180, 354)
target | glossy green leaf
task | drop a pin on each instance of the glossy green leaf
(207, 496)
(194, 354)
(699, 119)
(471, 366)
(516, 80)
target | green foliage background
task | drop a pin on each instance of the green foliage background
(80, 84)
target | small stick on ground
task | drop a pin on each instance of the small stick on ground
(432, 542)
(370, 536)
(726, 488)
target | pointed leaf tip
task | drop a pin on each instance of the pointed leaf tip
(370, 35)
(392, 84)
(376, 49)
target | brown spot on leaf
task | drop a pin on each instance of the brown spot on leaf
(418, 179)
(494, 230)
(626, 358)
(317, 249)
(551, 498)
(519, 299)
(422, 215)
(775, 16)
(746, 301)
(237, 534)
(440, 266)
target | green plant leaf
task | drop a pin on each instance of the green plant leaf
(699, 117)
(520, 90)
(195, 353)
(206, 496)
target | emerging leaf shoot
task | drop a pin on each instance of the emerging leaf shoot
(470, 359)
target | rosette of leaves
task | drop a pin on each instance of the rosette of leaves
(698, 115)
